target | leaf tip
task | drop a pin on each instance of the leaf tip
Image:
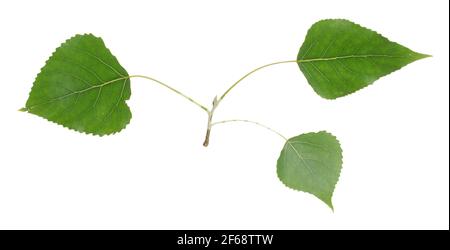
(330, 204)
(24, 109)
(418, 56)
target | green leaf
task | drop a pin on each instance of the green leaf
(339, 57)
(311, 163)
(82, 87)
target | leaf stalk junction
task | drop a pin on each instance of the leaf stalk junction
(217, 100)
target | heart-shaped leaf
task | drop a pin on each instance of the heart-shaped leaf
(339, 57)
(82, 87)
(311, 163)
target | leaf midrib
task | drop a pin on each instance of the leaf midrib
(79, 91)
(347, 57)
(300, 157)
(304, 160)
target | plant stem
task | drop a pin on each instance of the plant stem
(172, 89)
(208, 130)
(253, 122)
(209, 126)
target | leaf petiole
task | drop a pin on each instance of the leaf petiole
(252, 122)
(251, 72)
(172, 89)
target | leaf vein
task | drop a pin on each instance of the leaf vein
(95, 57)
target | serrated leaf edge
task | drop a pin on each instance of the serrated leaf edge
(25, 109)
(339, 174)
(421, 56)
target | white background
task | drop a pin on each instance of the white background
(157, 175)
